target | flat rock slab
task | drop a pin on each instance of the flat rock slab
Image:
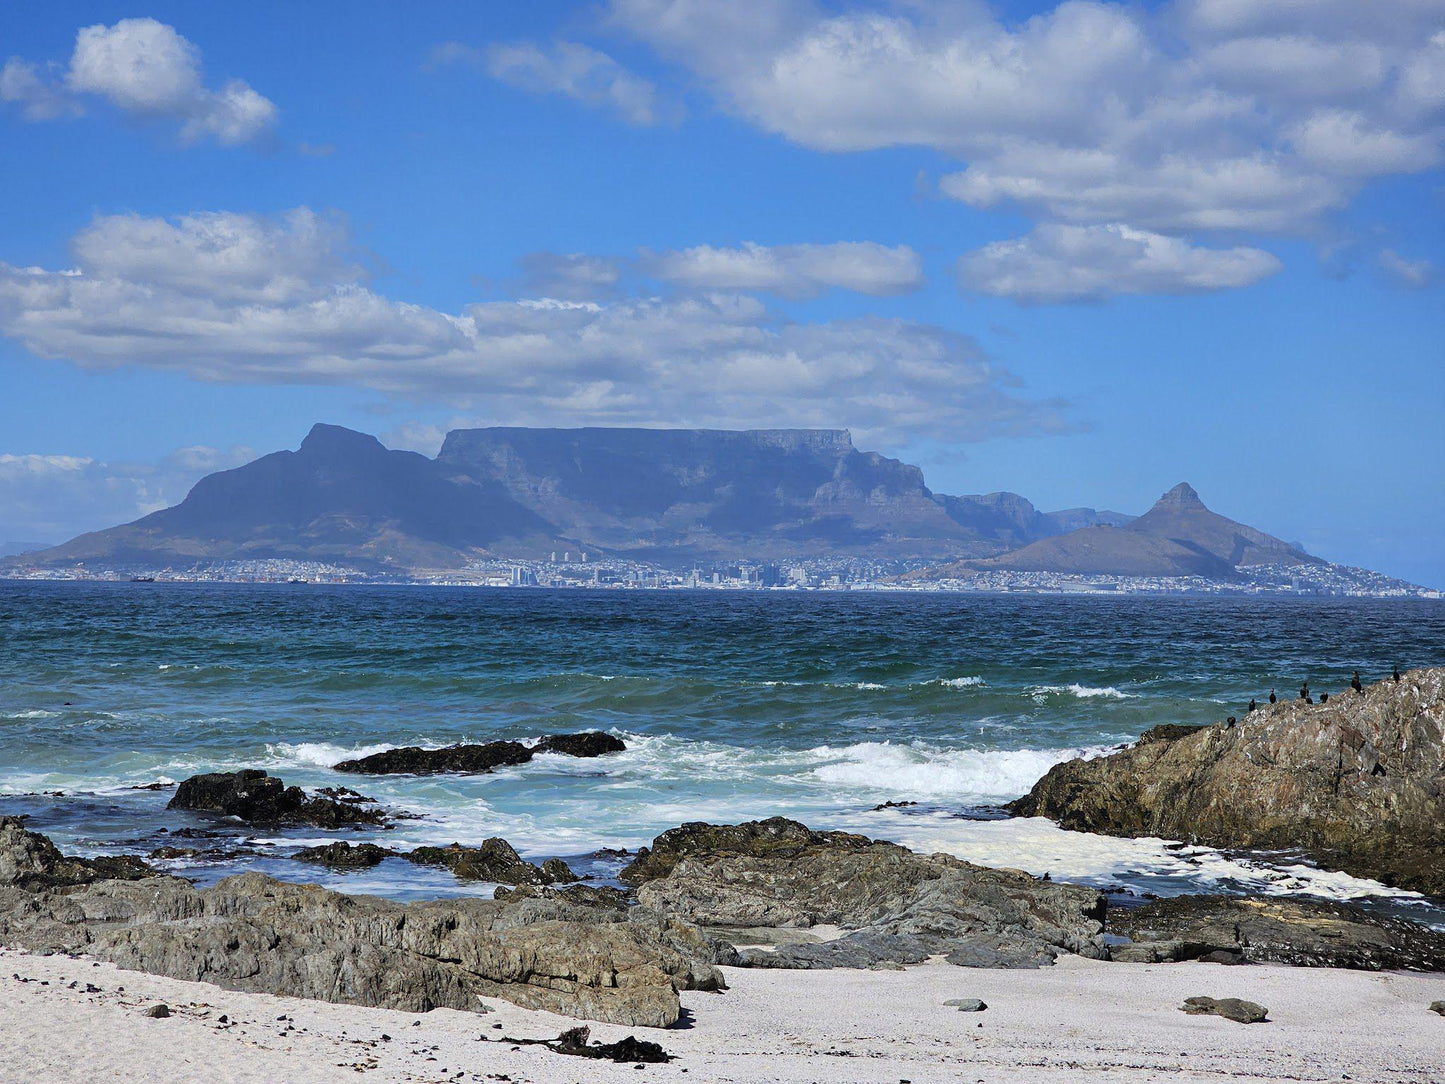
(1231, 1008)
(483, 758)
(966, 1004)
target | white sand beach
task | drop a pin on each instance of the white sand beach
(1080, 1020)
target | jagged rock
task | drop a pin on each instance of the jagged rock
(480, 759)
(581, 956)
(1358, 783)
(591, 743)
(343, 855)
(898, 906)
(576, 1042)
(494, 860)
(1231, 1008)
(157, 1012)
(1309, 933)
(465, 759)
(253, 796)
(30, 861)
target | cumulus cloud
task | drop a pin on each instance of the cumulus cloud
(1058, 263)
(146, 69)
(242, 298)
(1415, 274)
(577, 71)
(791, 270)
(51, 498)
(1205, 115)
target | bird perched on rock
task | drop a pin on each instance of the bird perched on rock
(1304, 691)
(1252, 704)
(1229, 722)
(1324, 698)
(1397, 675)
(1356, 685)
(1272, 698)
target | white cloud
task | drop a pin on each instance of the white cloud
(50, 498)
(572, 276)
(1057, 263)
(279, 301)
(38, 98)
(1205, 115)
(1412, 273)
(791, 270)
(148, 70)
(577, 71)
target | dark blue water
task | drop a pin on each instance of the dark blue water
(734, 705)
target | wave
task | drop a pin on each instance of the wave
(917, 770)
(961, 682)
(1083, 692)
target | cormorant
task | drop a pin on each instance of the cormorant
(1229, 722)
(1324, 698)
(1272, 698)
(1397, 675)
(1309, 700)
(1252, 704)
(1304, 691)
(1355, 684)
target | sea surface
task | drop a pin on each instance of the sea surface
(734, 705)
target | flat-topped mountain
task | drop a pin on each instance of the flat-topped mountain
(671, 496)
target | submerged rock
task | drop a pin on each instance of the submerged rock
(896, 906)
(583, 957)
(254, 797)
(343, 855)
(1231, 1008)
(494, 860)
(1308, 933)
(1358, 783)
(480, 759)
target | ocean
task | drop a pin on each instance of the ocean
(734, 706)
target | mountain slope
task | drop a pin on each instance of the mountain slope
(1179, 536)
(342, 495)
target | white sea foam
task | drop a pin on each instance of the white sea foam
(919, 770)
(961, 682)
(869, 685)
(320, 754)
(35, 713)
(1084, 692)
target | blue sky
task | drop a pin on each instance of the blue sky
(1080, 252)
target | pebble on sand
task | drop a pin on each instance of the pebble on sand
(1231, 1008)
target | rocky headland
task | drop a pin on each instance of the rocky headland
(1356, 783)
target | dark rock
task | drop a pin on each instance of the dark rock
(175, 852)
(1438, 1007)
(1169, 732)
(157, 1012)
(254, 797)
(967, 1004)
(1308, 933)
(898, 906)
(892, 805)
(591, 743)
(494, 860)
(343, 855)
(581, 955)
(31, 862)
(463, 759)
(1231, 1008)
(575, 1041)
(1358, 783)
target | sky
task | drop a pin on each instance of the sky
(1079, 251)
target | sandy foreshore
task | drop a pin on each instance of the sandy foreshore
(1080, 1020)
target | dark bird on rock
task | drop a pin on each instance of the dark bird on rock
(1397, 675)
(1304, 691)
(1309, 700)
(1229, 722)
(1252, 704)
(1272, 698)
(1356, 685)
(1324, 698)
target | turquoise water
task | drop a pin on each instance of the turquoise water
(734, 705)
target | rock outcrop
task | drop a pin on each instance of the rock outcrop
(494, 860)
(895, 906)
(254, 797)
(480, 759)
(1305, 933)
(582, 955)
(1357, 783)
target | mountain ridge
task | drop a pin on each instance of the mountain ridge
(664, 495)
